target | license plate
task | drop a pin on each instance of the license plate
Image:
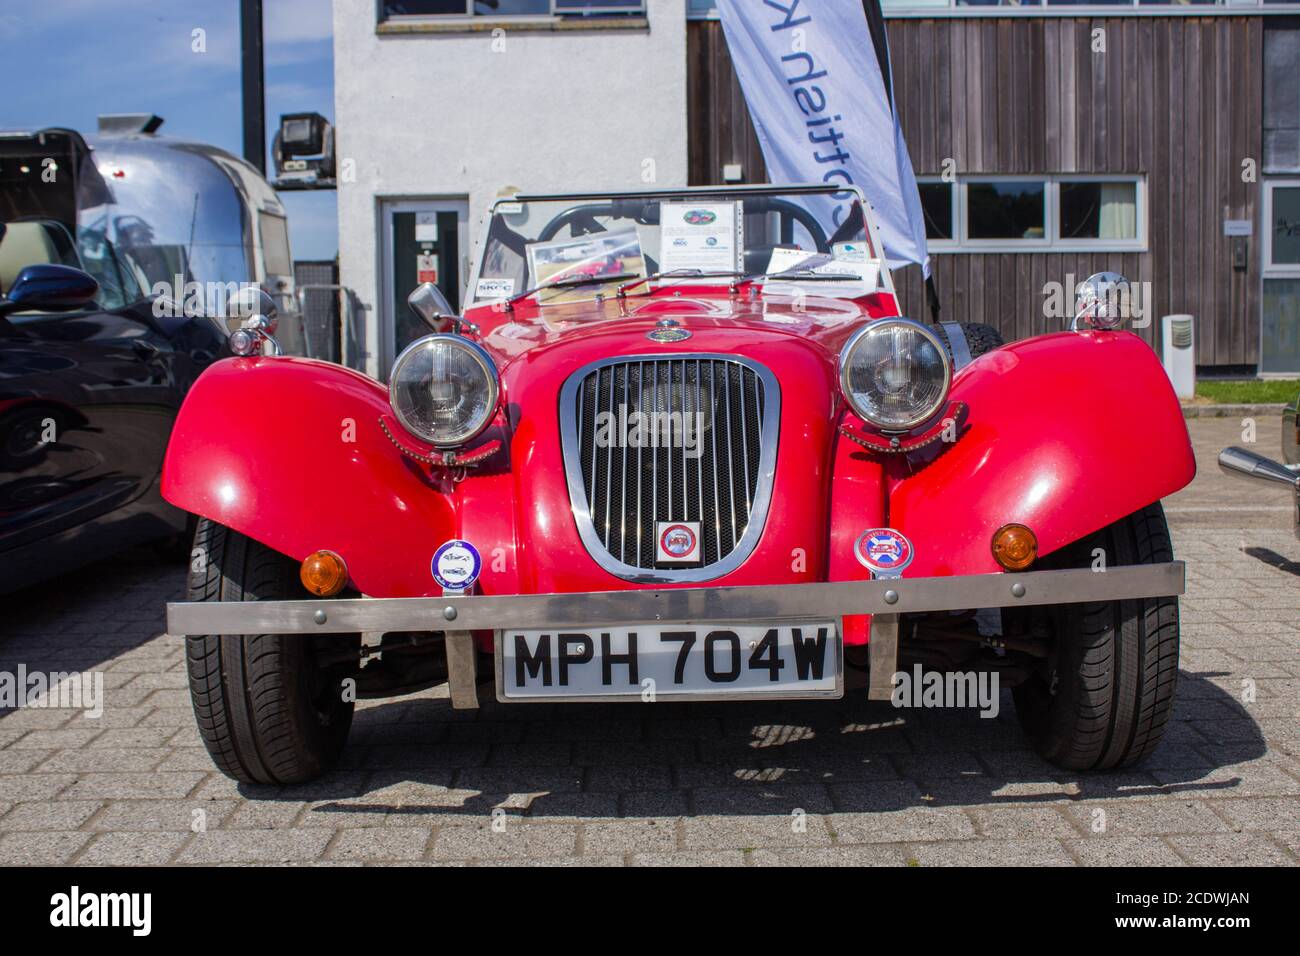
(671, 662)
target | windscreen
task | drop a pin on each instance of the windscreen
(562, 242)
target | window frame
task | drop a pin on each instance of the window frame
(1269, 268)
(1132, 8)
(1051, 241)
(618, 8)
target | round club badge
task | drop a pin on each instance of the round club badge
(884, 551)
(456, 565)
(678, 540)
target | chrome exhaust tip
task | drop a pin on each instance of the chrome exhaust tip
(1240, 463)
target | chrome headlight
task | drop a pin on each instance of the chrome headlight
(895, 374)
(443, 388)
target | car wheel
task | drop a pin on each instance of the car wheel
(1103, 695)
(271, 708)
(979, 338)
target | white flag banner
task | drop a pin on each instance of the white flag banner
(818, 100)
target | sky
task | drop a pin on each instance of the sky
(66, 61)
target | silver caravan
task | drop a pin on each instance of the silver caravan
(184, 222)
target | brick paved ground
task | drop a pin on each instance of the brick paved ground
(744, 784)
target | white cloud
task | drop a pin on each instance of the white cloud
(297, 21)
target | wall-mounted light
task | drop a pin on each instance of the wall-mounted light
(304, 152)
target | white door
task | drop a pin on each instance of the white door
(1279, 344)
(424, 240)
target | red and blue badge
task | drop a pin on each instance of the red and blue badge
(884, 551)
(679, 541)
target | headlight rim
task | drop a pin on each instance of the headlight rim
(875, 325)
(480, 355)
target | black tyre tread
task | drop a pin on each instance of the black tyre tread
(248, 700)
(1119, 674)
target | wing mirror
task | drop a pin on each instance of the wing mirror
(258, 317)
(255, 309)
(1103, 301)
(432, 308)
(48, 287)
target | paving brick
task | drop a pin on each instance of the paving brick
(1021, 821)
(142, 737)
(630, 836)
(268, 814)
(127, 848)
(902, 826)
(720, 832)
(654, 803)
(710, 858)
(1122, 851)
(133, 786)
(50, 815)
(98, 759)
(172, 815)
(47, 848)
(255, 846)
(34, 786)
(1149, 818)
(1000, 852)
(76, 736)
(1264, 814)
(519, 841)
(862, 855)
(1231, 849)
(381, 843)
(574, 807)
(21, 761)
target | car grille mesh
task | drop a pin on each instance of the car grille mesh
(631, 486)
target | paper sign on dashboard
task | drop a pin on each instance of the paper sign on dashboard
(699, 235)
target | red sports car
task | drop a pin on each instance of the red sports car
(737, 474)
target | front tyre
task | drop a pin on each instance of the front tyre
(271, 708)
(979, 338)
(1103, 696)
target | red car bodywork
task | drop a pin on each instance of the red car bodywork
(1066, 434)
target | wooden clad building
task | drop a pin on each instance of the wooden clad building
(1144, 144)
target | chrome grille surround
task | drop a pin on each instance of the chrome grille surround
(765, 397)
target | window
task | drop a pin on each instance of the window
(1006, 210)
(1021, 213)
(275, 244)
(1282, 245)
(390, 9)
(1091, 210)
(1281, 97)
(936, 206)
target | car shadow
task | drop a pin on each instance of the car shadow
(417, 758)
(84, 619)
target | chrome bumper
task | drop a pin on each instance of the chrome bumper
(762, 603)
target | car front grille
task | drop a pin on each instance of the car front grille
(705, 452)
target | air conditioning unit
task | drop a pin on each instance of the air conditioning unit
(1178, 335)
